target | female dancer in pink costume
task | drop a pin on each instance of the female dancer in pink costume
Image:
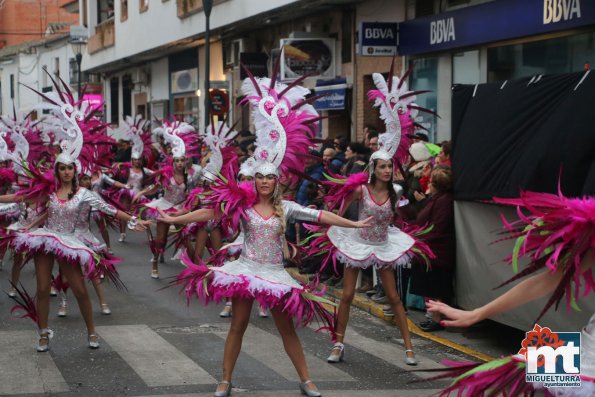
(283, 128)
(383, 246)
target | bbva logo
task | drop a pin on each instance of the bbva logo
(555, 353)
(558, 10)
(442, 31)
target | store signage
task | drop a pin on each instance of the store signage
(333, 97)
(95, 101)
(255, 62)
(314, 57)
(219, 102)
(378, 39)
(491, 22)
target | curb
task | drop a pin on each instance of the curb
(364, 303)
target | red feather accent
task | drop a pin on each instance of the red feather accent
(231, 199)
(25, 303)
(341, 188)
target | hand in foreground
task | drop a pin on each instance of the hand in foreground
(364, 222)
(137, 197)
(458, 317)
(165, 218)
(142, 225)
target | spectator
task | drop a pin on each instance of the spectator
(315, 170)
(444, 155)
(420, 156)
(436, 282)
(369, 130)
(124, 152)
(355, 156)
(373, 141)
(340, 145)
(330, 162)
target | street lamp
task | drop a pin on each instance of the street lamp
(207, 5)
(78, 39)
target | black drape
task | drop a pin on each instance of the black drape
(524, 134)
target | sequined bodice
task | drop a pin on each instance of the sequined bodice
(135, 179)
(174, 192)
(382, 217)
(65, 215)
(262, 241)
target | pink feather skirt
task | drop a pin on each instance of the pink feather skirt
(269, 284)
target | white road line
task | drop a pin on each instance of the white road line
(25, 371)
(268, 349)
(154, 359)
(325, 393)
(390, 353)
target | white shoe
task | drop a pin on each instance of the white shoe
(12, 293)
(93, 341)
(53, 291)
(336, 357)
(262, 312)
(154, 273)
(226, 312)
(105, 309)
(122, 237)
(62, 308)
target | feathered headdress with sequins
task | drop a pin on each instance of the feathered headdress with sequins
(217, 137)
(182, 137)
(399, 112)
(135, 130)
(283, 118)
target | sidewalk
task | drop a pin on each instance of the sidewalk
(484, 341)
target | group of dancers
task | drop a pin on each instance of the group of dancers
(237, 211)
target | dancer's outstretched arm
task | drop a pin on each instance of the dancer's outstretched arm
(329, 218)
(528, 290)
(201, 215)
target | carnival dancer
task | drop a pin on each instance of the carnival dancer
(283, 120)
(557, 235)
(59, 190)
(383, 246)
(174, 181)
(135, 175)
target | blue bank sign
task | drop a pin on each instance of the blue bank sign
(378, 38)
(493, 21)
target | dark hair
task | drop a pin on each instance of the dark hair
(342, 145)
(392, 195)
(446, 147)
(358, 148)
(73, 182)
(441, 178)
(372, 134)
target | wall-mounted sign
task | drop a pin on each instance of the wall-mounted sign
(255, 62)
(95, 101)
(307, 56)
(184, 81)
(378, 39)
(491, 22)
(219, 102)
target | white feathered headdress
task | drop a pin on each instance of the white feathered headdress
(217, 137)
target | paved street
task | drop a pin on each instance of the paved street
(153, 344)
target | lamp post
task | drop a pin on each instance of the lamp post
(78, 39)
(207, 5)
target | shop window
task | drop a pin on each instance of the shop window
(105, 10)
(123, 10)
(465, 68)
(558, 55)
(114, 100)
(127, 88)
(424, 8)
(186, 108)
(143, 5)
(425, 77)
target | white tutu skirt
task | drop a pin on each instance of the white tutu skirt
(356, 252)
(160, 203)
(9, 212)
(65, 247)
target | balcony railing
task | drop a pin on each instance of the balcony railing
(105, 36)
(190, 7)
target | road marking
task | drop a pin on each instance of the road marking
(25, 371)
(155, 360)
(325, 393)
(255, 342)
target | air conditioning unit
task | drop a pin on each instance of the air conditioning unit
(184, 81)
(232, 52)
